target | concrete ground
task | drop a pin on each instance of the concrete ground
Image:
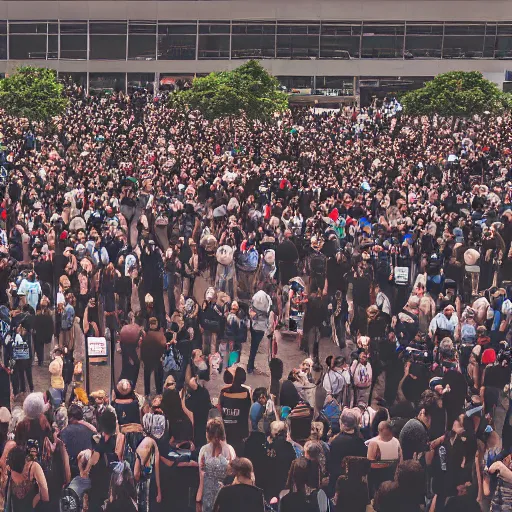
(288, 352)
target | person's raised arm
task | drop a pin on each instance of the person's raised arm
(187, 411)
(505, 473)
(86, 318)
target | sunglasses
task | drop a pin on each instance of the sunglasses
(170, 384)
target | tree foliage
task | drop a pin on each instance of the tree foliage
(34, 93)
(457, 94)
(248, 88)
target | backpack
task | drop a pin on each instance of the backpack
(173, 360)
(20, 349)
(248, 261)
(300, 419)
(332, 412)
(317, 264)
(468, 333)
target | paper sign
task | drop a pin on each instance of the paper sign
(401, 275)
(96, 347)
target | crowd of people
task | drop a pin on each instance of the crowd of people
(384, 238)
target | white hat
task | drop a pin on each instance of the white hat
(5, 415)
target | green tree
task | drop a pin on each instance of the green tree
(34, 93)
(248, 88)
(455, 94)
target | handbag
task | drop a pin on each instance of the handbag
(179, 455)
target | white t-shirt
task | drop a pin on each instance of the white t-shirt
(31, 290)
(334, 382)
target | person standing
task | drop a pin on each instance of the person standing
(151, 351)
(30, 290)
(347, 442)
(361, 371)
(21, 352)
(259, 313)
(43, 328)
(242, 494)
(214, 459)
(235, 403)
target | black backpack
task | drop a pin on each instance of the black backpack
(317, 264)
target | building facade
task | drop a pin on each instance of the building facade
(338, 48)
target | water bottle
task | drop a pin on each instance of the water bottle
(442, 457)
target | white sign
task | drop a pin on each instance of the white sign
(401, 275)
(96, 347)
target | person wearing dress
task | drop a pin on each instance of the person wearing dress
(214, 459)
(147, 463)
(28, 484)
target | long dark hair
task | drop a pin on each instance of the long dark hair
(122, 483)
(298, 476)
(172, 407)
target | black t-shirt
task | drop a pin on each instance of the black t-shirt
(235, 498)
(76, 437)
(336, 275)
(343, 445)
(235, 404)
(43, 328)
(496, 376)
(200, 404)
(361, 292)
(297, 502)
(127, 413)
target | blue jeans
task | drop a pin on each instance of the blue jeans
(256, 337)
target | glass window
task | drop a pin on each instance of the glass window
(73, 47)
(463, 41)
(213, 27)
(340, 40)
(107, 82)
(382, 41)
(77, 78)
(335, 85)
(53, 28)
(53, 47)
(141, 81)
(107, 40)
(73, 27)
(3, 47)
(253, 40)
(490, 40)
(503, 44)
(142, 27)
(107, 27)
(27, 27)
(213, 40)
(423, 40)
(297, 41)
(26, 46)
(142, 40)
(177, 41)
(464, 29)
(3, 40)
(291, 83)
